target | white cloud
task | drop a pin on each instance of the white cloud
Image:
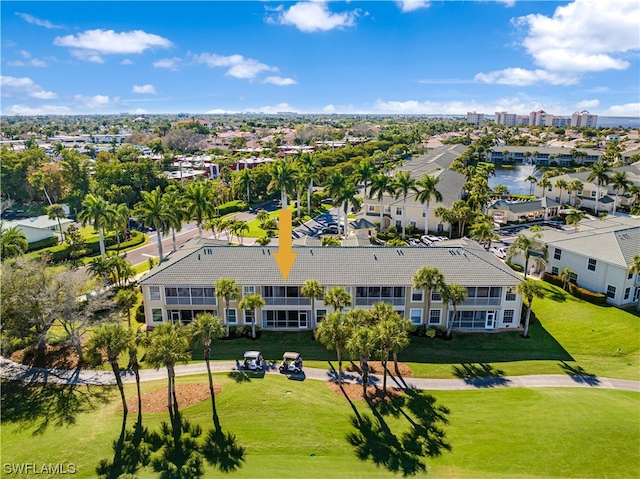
(276, 80)
(315, 16)
(584, 104)
(36, 21)
(36, 110)
(169, 63)
(582, 36)
(144, 89)
(276, 108)
(507, 3)
(239, 66)
(411, 5)
(126, 61)
(628, 109)
(91, 44)
(523, 77)
(139, 111)
(13, 87)
(32, 62)
(96, 102)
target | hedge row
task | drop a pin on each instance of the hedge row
(232, 207)
(575, 290)
(61, 252)
(137, 238)
(515, 267)
(45, 243)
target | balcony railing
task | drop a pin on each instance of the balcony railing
(287, 301)
(372, 301)
(481, 302)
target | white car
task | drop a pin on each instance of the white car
(425, 239)
(499, 252)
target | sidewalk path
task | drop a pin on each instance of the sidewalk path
(19, 372)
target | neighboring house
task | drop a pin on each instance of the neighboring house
(522, 211)
(543, 155)
(451, 186)
(184, 284)
(38, 228)
(587, 196)
(599, 253)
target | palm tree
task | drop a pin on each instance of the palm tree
(227, 289)
(152, 211)
(426, 193)
(308, 172)
(483, 232)
(98, 211)
(126, 299)
(12, 242)
(524, 245)
(333, 333)
(137, 340)
(338, 298)
(198, 197)
(169, 344)
(428, 279)
(561, 184)
(454, 294)
(208, 328)
(245, 181)
(381, 184)
(348, 195)
(532, 181)
(404, 184)
(447, 215)
(282, 179)
(122, 213)
(600, 173)
(634, 267)
(175, 204)
(620, 183)
(392, 333)
(56, 212)
(331, 241)
(313, 290)
(111, 340)
(574, 218)
(544, 184)
(574, 186)
(363, 172)
(565, 276)
(362, 342)
(528, 289)
(39, 180)
(252, 302)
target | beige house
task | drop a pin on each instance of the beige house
(504, 212)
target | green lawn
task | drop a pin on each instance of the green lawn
(302, 429)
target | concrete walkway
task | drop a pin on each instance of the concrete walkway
(19, 372)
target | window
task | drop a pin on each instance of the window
(554, 270)
(284, 319)
(416, 316)
(156, 315)
(424, 213)
(435, 316)
(413, 223)
(611, 291)
(627, 292)
(231, 316)
(511, 294)
(398, 224)
(320, 314)
(154, 293)
(248, 316)
(630, 275)
(416, 295)
(186, 295)
(591, 265)
(507, 317)
(557, 253)
(371, 208)
(248, 290)
(398, 211)
(436, 296)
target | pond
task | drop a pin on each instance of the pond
(514, 178)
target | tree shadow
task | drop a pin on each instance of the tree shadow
(239, 376)
(130, 452)
(480, 375)
(176, 450)
(44, 405)
(221, 450)
(374, 440)
(579, 375)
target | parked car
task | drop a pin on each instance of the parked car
(253, 361)
(499, 252)
(331, 228)
(425, 239)
(431, 238)
(291, 363)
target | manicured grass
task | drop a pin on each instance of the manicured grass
(300, 429)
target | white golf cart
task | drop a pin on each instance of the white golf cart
(291, 363)
(253, 361)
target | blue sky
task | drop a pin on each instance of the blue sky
(403, 57)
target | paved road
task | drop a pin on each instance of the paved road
(19, 372)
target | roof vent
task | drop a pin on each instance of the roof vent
(375, 257)
(311, 251)
(198, 256)
(262, 251)
(269, 252)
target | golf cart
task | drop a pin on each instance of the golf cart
(291, 363)
(253, 361)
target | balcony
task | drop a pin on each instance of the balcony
(287, 302)
(372, 301)
(481, 302)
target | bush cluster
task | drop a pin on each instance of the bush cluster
(45, 243)
(232, 207)
(575, 290)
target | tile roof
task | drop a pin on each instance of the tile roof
(524, 206)
(201, 262)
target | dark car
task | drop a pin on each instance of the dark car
(330, 230)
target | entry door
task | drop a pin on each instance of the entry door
(175, 317)
(491, 320)
(302, 320)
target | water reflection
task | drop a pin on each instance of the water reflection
(515, 178)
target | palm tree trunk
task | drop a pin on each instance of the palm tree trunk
(47, 195)
(365, 376)
(395, 363)
(384, 377)
(381, 213)
(226, 316)
(214, 412)
(101, 240)
(525, 333)
(298, 195)
(159, 243)
(346, 219)
(169, 406)
(309, 190)
(173, 390)
(426, 218)
(253, 323)
(339, 366)
(248, 197)
(116, 373)
(453, 319)
(404, 216)
(283, 199)
(173, 237)
(615, 203)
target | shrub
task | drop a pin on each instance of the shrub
(232, 207)
(515, 267)
(418, 331)
(58, 253)
(589, 296)
(140, 314)
(552, 278)
(136, 239)
(431, 332)
(45, 243)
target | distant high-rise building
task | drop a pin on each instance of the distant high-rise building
(552, 120)
(585, 119)
(504, 118)
(537, 118)
(475, 118)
